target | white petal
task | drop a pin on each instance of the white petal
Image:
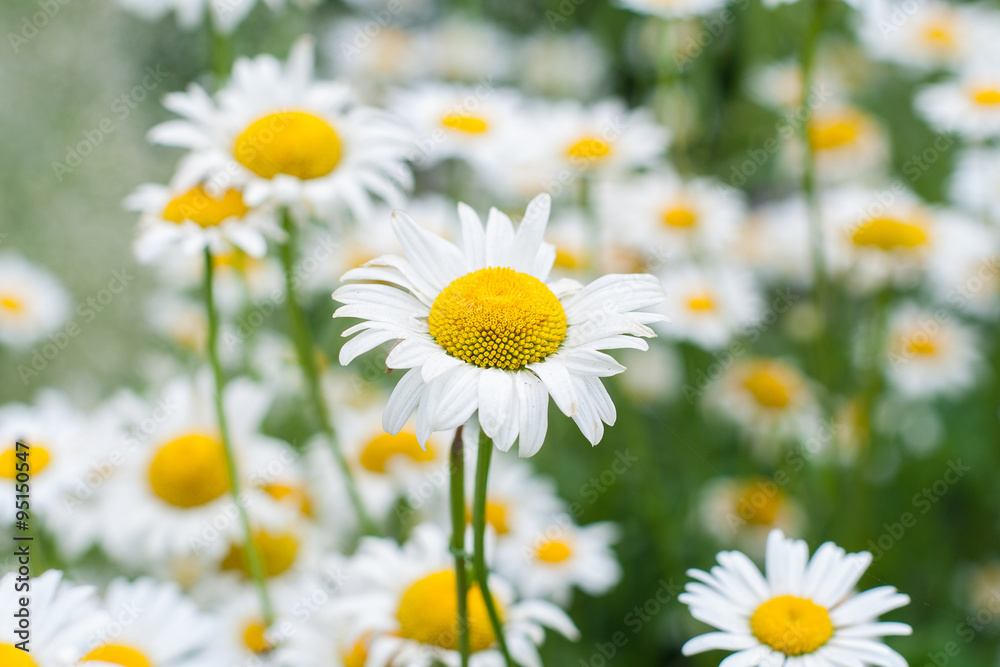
(435, 259)
(403, 401)
(726, 641)
(496, 390)
(533, 412)
(558, 383)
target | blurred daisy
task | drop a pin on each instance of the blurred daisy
(557, 64)
(655, 375)
(875, 238)
(965, 271)
(967, 104)
(777, 85)
(409, 606)
(290, 139)
(32, 302)
(157, 625)
(768, 398)
(176, 484)
(190, 220)
(742, 511)
(463, 50)
(672, 9)
(240, 629)
(518, 500)
(455, 310)
(224, 16)
(774, 241)
(708, 307)
(803, 612)
(64, 621)
(668, 217)
(849, 143)
(370, 61)
(556, 557)
(929, 353)
(975, 182)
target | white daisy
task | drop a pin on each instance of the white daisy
(405, 598)
(370, 59)
(975, 182)
(64, 621)
(464, 317)
(929, 353)
(965, 271)
(557, 556)
(708, 307)
(656, 378)
(967, 104)
(156, 625)
(774, 240)
(802, 613)
(848, 143)
(32, 302)
(290, 139)
(225, 14)
(742, 511)
(560, 65)
(190, 220)
(673, 9)
(464, 50)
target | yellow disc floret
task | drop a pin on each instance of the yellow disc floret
(468, 124)
(277, 551)
(889, 234)
(768, 386)
(554, 551)
(428, 613)
(117, 654)
(384, 447)
(11, 656)
(11, 303)
(589, 148)
(680, 217)
(203, 209)
(792, 625)
(290, 142)
(189, 471)
(834, 132)
(498, 318)
(36, 457)
(986, 96)
(255, 638)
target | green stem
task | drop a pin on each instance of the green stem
(254, 561)
(306, 351)
(458, 524)
(479, 541)
(220, 48)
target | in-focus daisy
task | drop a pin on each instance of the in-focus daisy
(802, 612)
(708, 307)
(672, 9)
(192, 219)
(225, 16)
(32, 302)
(157, 625)
(929, 353)
(967, 104)
(557, 556)
(405, 598)
(290, 139)
(742, 511)
(65, 620)
(484, 332)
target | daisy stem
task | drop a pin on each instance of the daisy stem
(479, 540)
(458, 523)
(306, 351)
(255, 563)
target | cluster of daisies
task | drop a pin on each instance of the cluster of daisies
(271, 507)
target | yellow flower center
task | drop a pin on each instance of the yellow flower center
(37, 458)
(498, 318)
(792, 625)
(680, 217)
(758, 504)
(567, 259)
(118, 655)
(255, 638)
(496, 516)
(295, 495)
(468, 124)
(921, 347)
(701, 302)
(357, 656)
(833, 132)
(767, 388)
(203, 209)
(189, 471)
(555, 551)
(382, 448)
(11, 656)
(11, 303)
(277, 551)
(289, 142)
(986, 96)
(589, 148)
(889, 234)
(428, 613)
(940, 35)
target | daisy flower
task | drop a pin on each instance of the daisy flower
(803, 612)
(742, 511)
(289, 139)
(928, 353)
(192, 219)
(848, 143)
(157, 625)
(404, 596)
(964, 271)
(225, 16)
(32, 302)
(773, 240)
(672, 9)
(463, 50)
(709, 307)
(975, 182)
(64, 621)
(561, 65)
(967, 104)
(555, 557)
(483, 332)
(370, 61)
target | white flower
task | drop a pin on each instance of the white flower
(289, 139)
(673, 9)
(742, 511)
(967, 104)
(774, 240)
(190, 220)
(964, 271)
(975, 182)
(482, 331)
(32, 302)
(929, 353)
(802, 613)
(225, 14)
(63, 623)
(848, 143)
(558, 64)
